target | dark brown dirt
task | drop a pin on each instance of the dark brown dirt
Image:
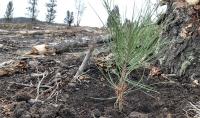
(73, 100)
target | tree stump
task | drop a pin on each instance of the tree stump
(181, 55)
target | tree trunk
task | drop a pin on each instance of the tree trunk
(181, 54)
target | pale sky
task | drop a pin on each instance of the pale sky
(89, 17)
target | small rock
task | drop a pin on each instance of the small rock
(58, 75)
(22, 97)
(1, 115)
(66, 113)
(71, 84)
(19, 112)
(105, 117)
(58, 117)
(38, 103)
(1, 45)
(33, 63)
(66, 95)
(37, 28)
(77, 89)
(96, 113)
(137, 115)
(26, 116)
(48, 115)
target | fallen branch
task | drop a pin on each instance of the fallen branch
(30, 85)
(32, 101)
(37, 74)
(56, 79)
(82, 67)
(66, 46)
(4, 64)
(39, 85)
(102, 99)
(12, 66)
(30, 32)
(54, 91)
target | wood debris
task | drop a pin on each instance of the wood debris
(105, 62)
(8, 69)
(42, 49)
(155, 71)
(85, 60)
(192, 2)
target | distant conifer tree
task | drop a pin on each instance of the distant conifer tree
(80, 7)
(69, 19)
(9, 12)
(51, 11)
(32, 9)
(114, 17)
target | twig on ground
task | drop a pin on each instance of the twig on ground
(54, 91)
(6, 63)
(30, 85)
(193, 108)
(33, 101)
(55, 85)
(37, 74)
(102, 99)
(57, 81)
(56, 78)
(39, 84)
(114, 97)
(82, 67)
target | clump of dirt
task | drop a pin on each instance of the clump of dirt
(39, 110)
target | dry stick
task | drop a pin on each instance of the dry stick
(56, 78)
(113, 97)
(30, 85)
(82, 67)
(39, 83)
(54, 91)
(36, 74)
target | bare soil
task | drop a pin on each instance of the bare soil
(63, 99)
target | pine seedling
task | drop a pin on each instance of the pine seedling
(132, 45)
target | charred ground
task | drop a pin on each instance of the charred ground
(62, 99)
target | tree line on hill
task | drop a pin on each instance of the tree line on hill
(51, 12)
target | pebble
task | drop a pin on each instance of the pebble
(71, 84)
(22, 96)
(33, 63)
(66, 95)
(77, 89)
(137, 115)
(26, 116)
(1, 45)
(96, 113)
(104, 117)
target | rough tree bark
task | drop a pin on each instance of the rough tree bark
(181, 55)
